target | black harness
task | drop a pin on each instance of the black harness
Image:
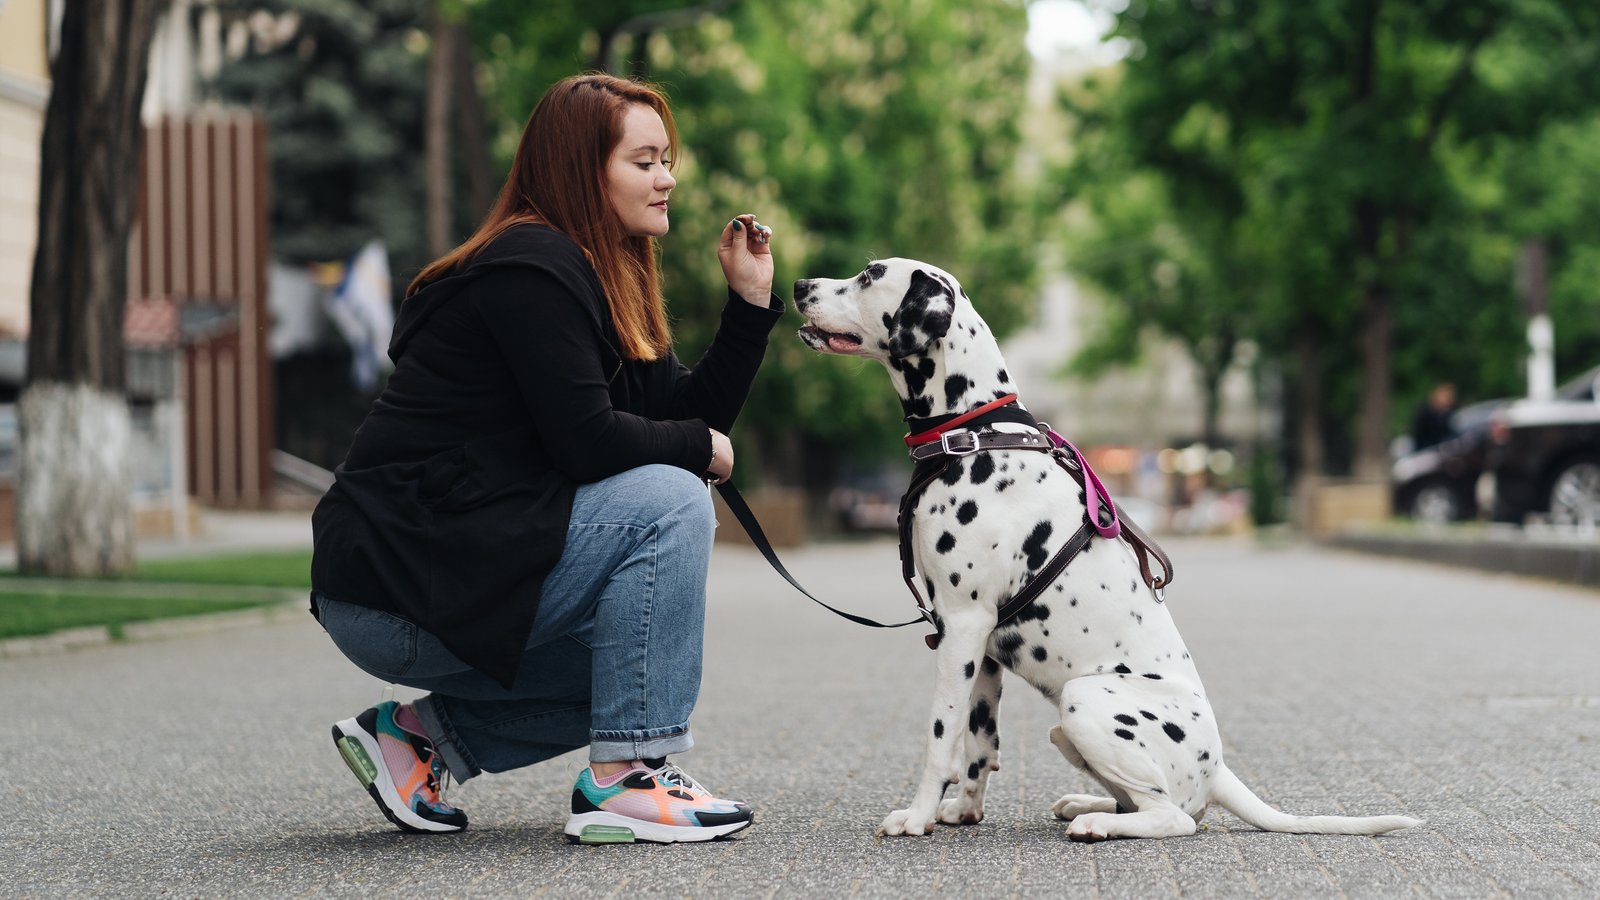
(934, 462)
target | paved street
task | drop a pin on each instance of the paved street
(201, 766)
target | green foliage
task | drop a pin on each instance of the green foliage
(343, 100)
(1260, 170)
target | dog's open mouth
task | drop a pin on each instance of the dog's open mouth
(818, 339)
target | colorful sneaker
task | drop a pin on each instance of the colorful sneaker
(661, 805)
(399, 769)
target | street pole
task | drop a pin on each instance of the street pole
(1533, 286)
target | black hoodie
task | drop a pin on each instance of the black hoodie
(509, 391)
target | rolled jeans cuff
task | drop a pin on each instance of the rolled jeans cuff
(444, 739)
(625, 746)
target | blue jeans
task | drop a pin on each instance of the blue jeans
(613, 661)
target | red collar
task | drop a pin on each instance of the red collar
(932, 434)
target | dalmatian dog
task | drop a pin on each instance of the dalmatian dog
(1099, 644)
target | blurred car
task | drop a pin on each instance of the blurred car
(1544, 456)
(1439, 483)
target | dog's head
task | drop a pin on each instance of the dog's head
(916, 320)
(894, 309)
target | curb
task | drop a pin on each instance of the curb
(72, 639)
(1571, 562)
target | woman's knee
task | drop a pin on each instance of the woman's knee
(659, 495)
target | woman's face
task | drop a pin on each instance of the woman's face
(636, 179)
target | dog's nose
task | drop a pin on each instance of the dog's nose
(802, 292)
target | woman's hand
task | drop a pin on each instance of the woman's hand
(721, 467)
(746, 257)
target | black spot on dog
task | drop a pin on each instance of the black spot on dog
(1173, 732)
(970, 668)
(1204, 755)
(938, 728)
(1122, 669)
(1123, 733)
(974, 595)
(1008, 645)
(955, 579)
(990, 667)
(1126, 719)
(954, 387)
(1152, 676)
(1148, 715)
(972, 772)
(947, 542)
(1040, 653)
(1034, 545)
(929, 582)
(1033, 612)
(1072, 709)
(967, 512)
(923, 316)
(953, 473)
(1004, 378)
(1004, 483)
(979, 717)
(982, 468)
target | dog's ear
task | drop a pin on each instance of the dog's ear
(923, 316)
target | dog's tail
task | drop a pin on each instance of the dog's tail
(1231, 794)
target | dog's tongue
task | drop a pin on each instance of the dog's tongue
(843, 343)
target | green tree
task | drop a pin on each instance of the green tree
(342, 86)
(1339, 146)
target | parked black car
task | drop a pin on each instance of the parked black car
(1544, 456)
(1439, 483)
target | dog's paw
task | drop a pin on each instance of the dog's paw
(901, 821)
(1074, 805)
(960, 811)
(1090, 827)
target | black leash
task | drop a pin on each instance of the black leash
(747, 519)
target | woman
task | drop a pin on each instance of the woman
(523, 523)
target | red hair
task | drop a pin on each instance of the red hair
(558, 178)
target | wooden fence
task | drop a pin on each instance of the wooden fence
(200, 245)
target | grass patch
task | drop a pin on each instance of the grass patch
(285, 569)
(23, 614)
(26, 609)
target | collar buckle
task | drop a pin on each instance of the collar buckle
(968, 440)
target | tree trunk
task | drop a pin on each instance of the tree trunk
(1372, 428)
(436, 137)
(1377, 305)
(74, 516)
(1310, 459)
(472, 123)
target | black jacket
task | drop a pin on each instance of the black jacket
(508, 391)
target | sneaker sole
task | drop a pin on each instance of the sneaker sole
(360, 752)
(610, 828)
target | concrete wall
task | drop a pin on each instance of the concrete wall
(24, 89)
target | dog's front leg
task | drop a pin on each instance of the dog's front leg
(959, 655)
(982, 747)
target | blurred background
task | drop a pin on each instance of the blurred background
(1284, 263)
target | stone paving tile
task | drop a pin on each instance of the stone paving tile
(201, 766)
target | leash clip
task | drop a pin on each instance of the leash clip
(970, 448)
